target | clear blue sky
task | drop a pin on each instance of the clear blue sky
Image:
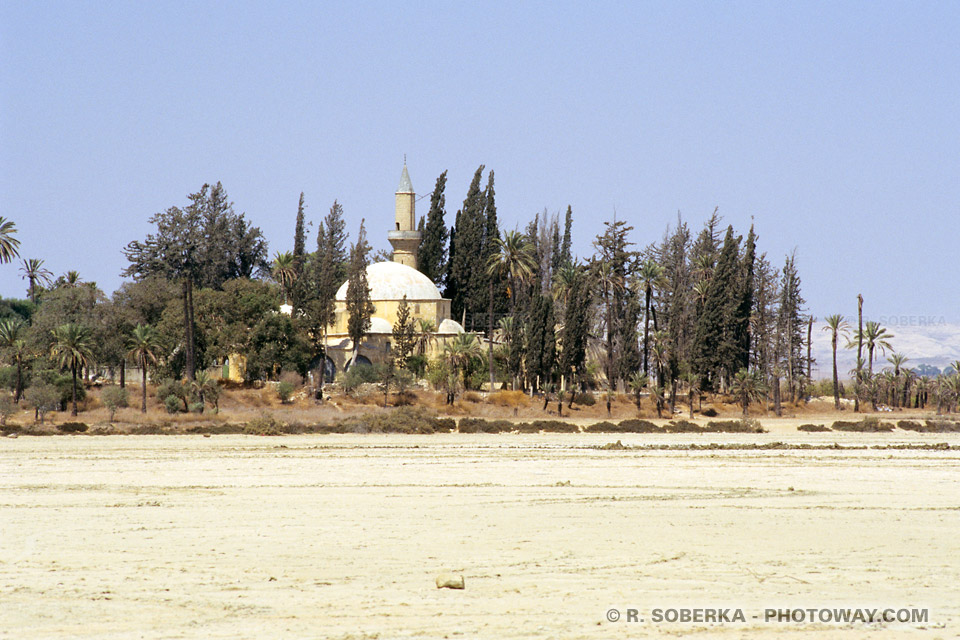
(835, 126)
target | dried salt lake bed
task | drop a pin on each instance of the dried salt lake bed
(342, 536)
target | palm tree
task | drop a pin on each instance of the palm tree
(876, 338)
(747, 386)
(202, 384)
(426, 329)
(512, 258)
(638, 382)
(923, 388)
(73, 348)
(34, 273)
(10, 329)
(610, 281)
(649, 277)
(563, 281)
(837, 326)
(70, 279)
(897, 360)
(9, 245)
(661, 357)
(284, 272)
(144, 347)
(460, 352)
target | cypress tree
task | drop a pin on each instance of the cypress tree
(404, 334)
(565, 245)
(359, 306)
(432, 254)
(714, 346)
(576, 327)
(741, 316)
(541, 340)
(299, 260)
(466, 277)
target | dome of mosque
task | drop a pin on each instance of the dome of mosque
(449, 326)
(392, 281)
(379, 325)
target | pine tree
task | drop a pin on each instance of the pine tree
(432, 254)
(790, 325)
(359, 306)
(404, 335)
(299, 260)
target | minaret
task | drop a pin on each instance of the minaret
(404, 237)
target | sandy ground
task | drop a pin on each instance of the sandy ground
(342, 536)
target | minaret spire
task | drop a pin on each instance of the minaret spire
(405, 238)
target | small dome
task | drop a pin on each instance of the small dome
(379, 325)
(392, 280)
(450, 326)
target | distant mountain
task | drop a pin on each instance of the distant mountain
(936, 345)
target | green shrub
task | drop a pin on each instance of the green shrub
(196, 407)
(172, 404)
(114, 398)
(357, 375)
(43, 397)
(285, 390)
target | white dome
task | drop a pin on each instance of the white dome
(379, 325)
(392, 280)
(450, 326)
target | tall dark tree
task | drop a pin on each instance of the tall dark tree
(327, 271)
(432, 254)
(610, 270)
(299, 259)
(576, 327)
(715, 348)
(744, 305)
(466, 279)
(359, 306)
(566, 257)
(541, 348)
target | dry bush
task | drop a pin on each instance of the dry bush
(681, 426)
(479, 425)
(812, 428)
(867, 425)
(624, 426)
(744, 425)
(509, 399)
(472, 396)
(72, 427)
(552, 426)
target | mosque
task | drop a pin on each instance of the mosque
(389, 282)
